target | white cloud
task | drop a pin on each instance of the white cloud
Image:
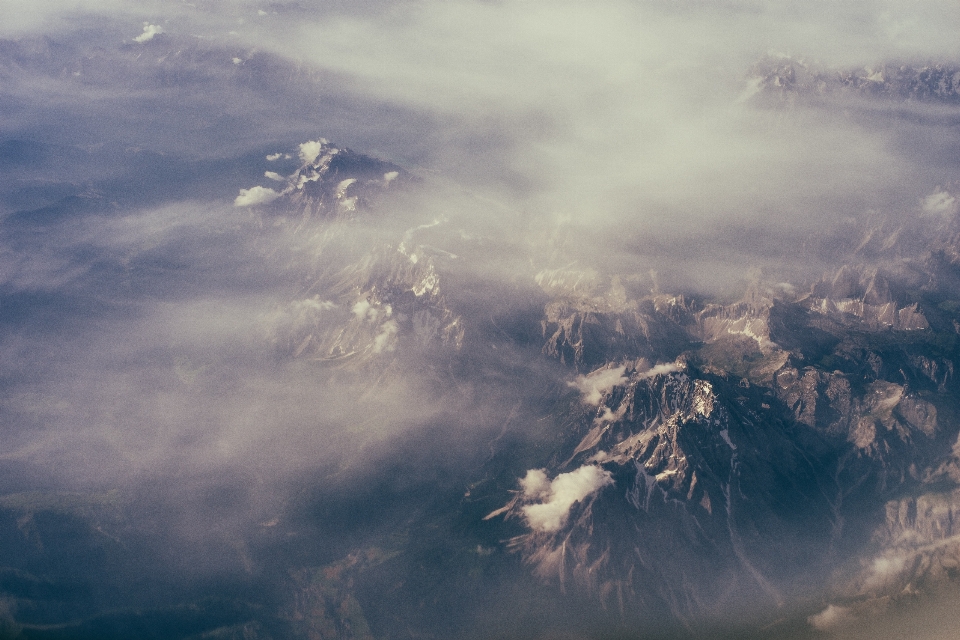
(535, 484)
(149, 31)
(310, 150)
(883, 571)
(273, 175)
(384, 340)
(297, 314)
(610, 416)
(598, 383)
(562, 493)
(941, 202)
(255, 195)
(364, 310)
(830, 617)
(585, 74)
(664, 368)
(274, 156)
(315, 304)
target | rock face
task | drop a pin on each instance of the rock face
(334, 183)
(708, 457)
(372, 300)
(750, 447)
(710, 505)
(785, 77)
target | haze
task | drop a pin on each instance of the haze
(141, 309)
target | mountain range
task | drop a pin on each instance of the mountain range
(609, 459)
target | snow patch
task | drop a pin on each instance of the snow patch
(703, 398)
(663, 475)
(427, 284)
(725, 434)
(343, 185)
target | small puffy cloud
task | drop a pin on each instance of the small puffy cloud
(149, 31)
(830, 618)
(384, 340)
(273, 175)
(255, 195)
(941, 202)
(664, 368)
(598, 383)
(313, 304)
(786, 288)
(883, 571)
(535, 484)
(609, 416)
(294, 318)
(274, 157)
(310, 150)
(363, 309)
(559, 496)
(237, 60)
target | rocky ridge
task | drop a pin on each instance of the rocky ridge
(757, 443)
(709, 457)
(784, 77)
(375, 299)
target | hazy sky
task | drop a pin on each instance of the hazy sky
(607, 109)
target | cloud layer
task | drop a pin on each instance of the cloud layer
(146, 321)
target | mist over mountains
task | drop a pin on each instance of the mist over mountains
(481, 320)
